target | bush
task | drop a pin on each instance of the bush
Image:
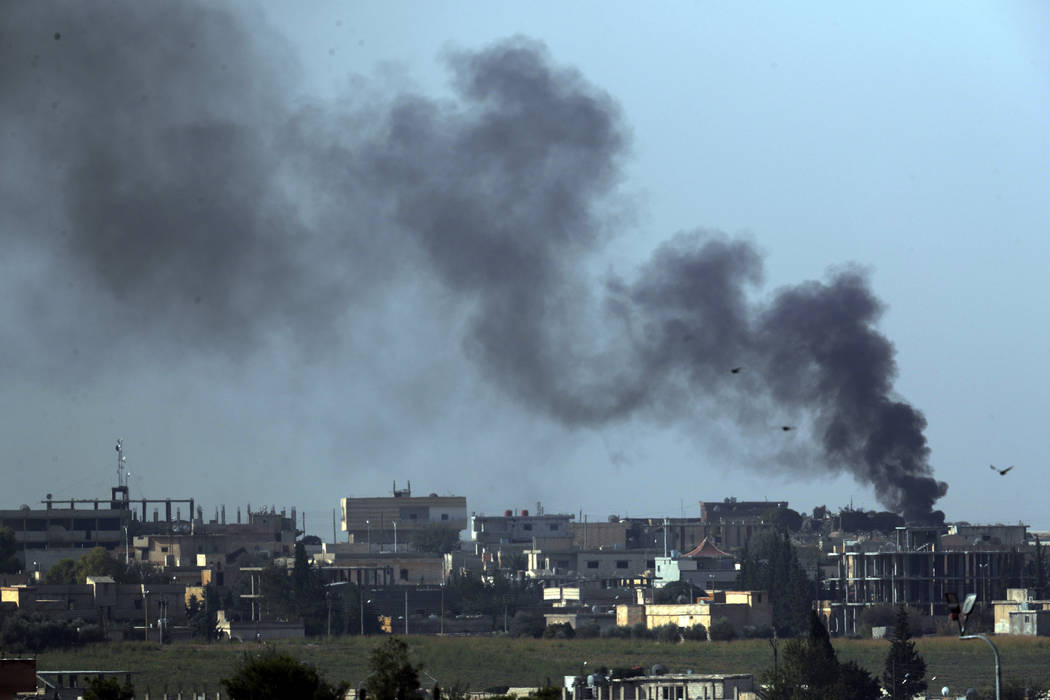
(640, 631)
(695, 633)
(618, 632)
(756, 632)
(722, 630)
(590, 630)
(669, 633)
(559, 630)
(527, 623)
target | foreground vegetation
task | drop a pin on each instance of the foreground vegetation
(484, 662)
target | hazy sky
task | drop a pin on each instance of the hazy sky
(340, 315)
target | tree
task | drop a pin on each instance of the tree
(527, 623)
(63, 572)
(271, 675)
(905, 673)
(783, 519)
(722, 630)
(98, 562)
(8, 560)
(809, 670)
(108, 689)
(769, 563)
(201, 614)
(393, 677)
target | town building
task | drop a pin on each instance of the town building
(1020, 613)
(380, 522)
(914, 568)
(705, 566)
(740, 608)
(666, 686)
(112, 606)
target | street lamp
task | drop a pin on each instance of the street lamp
(145, 608)
(395, 535)
(368, 524)
(126, 557)
(959, 613)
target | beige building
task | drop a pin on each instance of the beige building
(1021, 613)
(740, 608)
(101, 601)
(382, 522)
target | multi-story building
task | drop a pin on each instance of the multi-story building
(381, 522)
(705, 566)
(916, 569)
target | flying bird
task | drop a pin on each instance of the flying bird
(786, 428)
(736, 370)
(1001, 471)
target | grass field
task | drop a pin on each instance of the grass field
(490, 661)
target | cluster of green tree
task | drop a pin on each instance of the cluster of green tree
(271, 674)
(783, 519)
(769, 563)
(808, 669)
(34, 632)
(99, 562)
(201, 615)
(499, 597)
(277, 676)
(9, 563)
(303, 595)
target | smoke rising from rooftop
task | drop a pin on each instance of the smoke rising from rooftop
(170, 176)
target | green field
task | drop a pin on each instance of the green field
(490, 661)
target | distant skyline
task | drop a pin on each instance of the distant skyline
(291, 332)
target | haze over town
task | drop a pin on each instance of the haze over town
(276, 254)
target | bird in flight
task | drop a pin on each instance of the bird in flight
(786, 428)
(1001, 471)
(736, 370)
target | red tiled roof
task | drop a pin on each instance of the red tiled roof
(705, 549)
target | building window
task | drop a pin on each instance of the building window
(444, 516)
(554, 526)
(404, 574)
(621, 563)
(527, 527)
(650, 563)
(163, 549)
(592, 564)
(758, 597)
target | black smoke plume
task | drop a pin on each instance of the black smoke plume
(165, 172)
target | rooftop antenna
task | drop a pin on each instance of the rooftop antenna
(122, 479)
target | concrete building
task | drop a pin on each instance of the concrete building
(610, 566)
(490, 533)
(915, 568)
(678, 686)
(104, 602)
(705, 566)
(381, 522)
(269, 533)
(1021, 613)
(740, 608)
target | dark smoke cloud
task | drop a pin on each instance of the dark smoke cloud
(198, 206)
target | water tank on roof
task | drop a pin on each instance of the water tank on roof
(507, 513)
(524, 513)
